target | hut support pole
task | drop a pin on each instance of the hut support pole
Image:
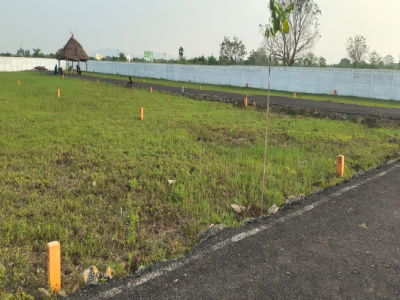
(78, 66)
(86, 67)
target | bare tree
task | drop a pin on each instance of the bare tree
(232, 50)
(304, 32)
(357, 49)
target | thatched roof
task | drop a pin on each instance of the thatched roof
(72, 51)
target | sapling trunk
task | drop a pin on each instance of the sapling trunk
(266, 137)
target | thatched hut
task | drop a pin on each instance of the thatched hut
(72, 51)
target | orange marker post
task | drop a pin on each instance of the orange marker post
(141, 113)
(58, 93)
(63, 75)
(18, 82)
(151, 90)
(247, 85)
(104, 76)
(340, 166)
(294, 95)
(54, 265)
(335, 92)
(200, 88)
(245, 101)
(144, 81)
(97, 81)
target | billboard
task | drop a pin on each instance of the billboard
(148, 56)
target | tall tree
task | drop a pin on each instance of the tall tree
(122, 57)
(310, 60)
(37, 52)
(357, 49)
(322, 62)
(180, 52)
(304, 32)
(388, 60)
(258, 57)
(233, 50)
(374, 59)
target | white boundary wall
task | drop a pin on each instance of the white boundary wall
(379, 84)
(13, 64)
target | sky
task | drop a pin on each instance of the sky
(198, 26)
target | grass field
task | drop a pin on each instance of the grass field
(254, 91)
(84, 170)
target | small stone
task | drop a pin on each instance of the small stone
(273, 209)
(238, 209)
(363, 226)
(94, 184)
(176, 280)
(62, 294)
(391, 162)
(200, 235)
(76, 287)
(108, 274)
(213, 231)
(211, 225)
(91, 276)
(44, 292)
(140, 270)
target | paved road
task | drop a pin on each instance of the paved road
(343, 243)
(325, 106)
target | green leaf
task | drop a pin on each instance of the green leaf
(289, 8)
(276, 25)
(272, 5)
(286, 27)
(267, 33)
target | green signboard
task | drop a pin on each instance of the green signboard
(148, 55)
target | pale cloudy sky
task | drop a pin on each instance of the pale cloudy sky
(197, 26)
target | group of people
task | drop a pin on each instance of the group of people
(60, 70)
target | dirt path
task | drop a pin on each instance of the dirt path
(260, 100)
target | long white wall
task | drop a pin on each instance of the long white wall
(379, 84)
(13, 64)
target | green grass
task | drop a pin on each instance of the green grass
(69, 166)
(254, 91)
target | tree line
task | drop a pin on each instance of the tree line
(292, 49)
